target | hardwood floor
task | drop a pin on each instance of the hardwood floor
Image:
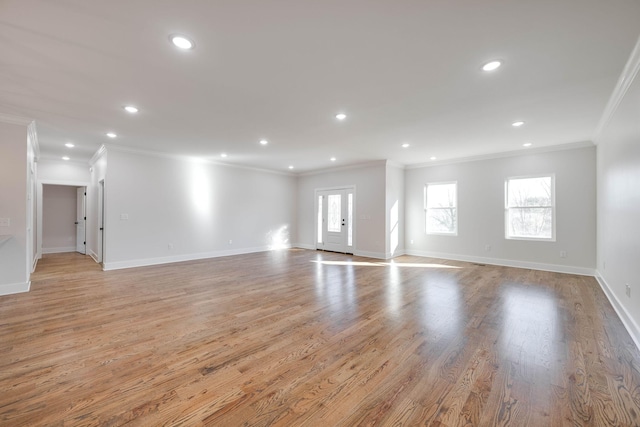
(310, 338)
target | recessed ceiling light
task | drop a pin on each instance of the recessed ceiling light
(69, 145)
(130, 109)
(65, 158)
(182, 42)
(517, 124)
(491, 65)
(341, 116)
(333, 159)
(111, 135)
(527, 144)
(405, 145)
(264, 142)
(223, 154)
(432, 158)
(291, 167)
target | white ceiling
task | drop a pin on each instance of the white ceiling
(402, 70)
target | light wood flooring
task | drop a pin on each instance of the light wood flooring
(297, 337)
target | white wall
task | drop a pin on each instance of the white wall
(58, 218)
(14, 247)
(394, 230)
(370, 182)
(619, 199)
(60, 171)
(481, 211)
(161, 209)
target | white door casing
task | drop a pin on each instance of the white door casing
(101, 221)
(81, 219)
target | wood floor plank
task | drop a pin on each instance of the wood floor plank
(298, 337)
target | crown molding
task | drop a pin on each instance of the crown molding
(397, 165)
(32, 134)
(344, 168)
(15, 120)
(181, 157)
(99, 153)
(504, 154)
(627, 77)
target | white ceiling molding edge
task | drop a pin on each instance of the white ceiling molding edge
(97, 155)
(515, 153)
(624, 83)
(343, 168)
(15, 120)
(32, 135)
(397, 165)
(125, 149)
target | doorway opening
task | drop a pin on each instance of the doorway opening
(334, 225)
(62, 219)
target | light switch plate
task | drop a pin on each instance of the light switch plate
(5, 222)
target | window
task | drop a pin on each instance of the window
(350, 219)
(320, 219)
(530, 208)
(334, 213)
(441, 205)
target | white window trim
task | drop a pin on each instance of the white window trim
(424, 201)
(553, 208)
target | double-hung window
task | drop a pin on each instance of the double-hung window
(530, 208)
(441, 206)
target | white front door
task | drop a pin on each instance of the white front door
(81, 244)
(335, 220)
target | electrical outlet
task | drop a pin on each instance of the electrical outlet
(170, 246)
(628, 290)
(5, 222)
(487, 248)
(412, 241)
(563, 254)
(230, 242)
(124, 217)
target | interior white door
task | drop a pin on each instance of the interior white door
(334, 220)
(81, 219)
(101, 246)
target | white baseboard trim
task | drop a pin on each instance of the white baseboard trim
(94, 256)
(367, 254)
(304, 246)
(630, 325)
(58, 250)
(568, 269)
(397, 252)
(118, 265)
(15, 288)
